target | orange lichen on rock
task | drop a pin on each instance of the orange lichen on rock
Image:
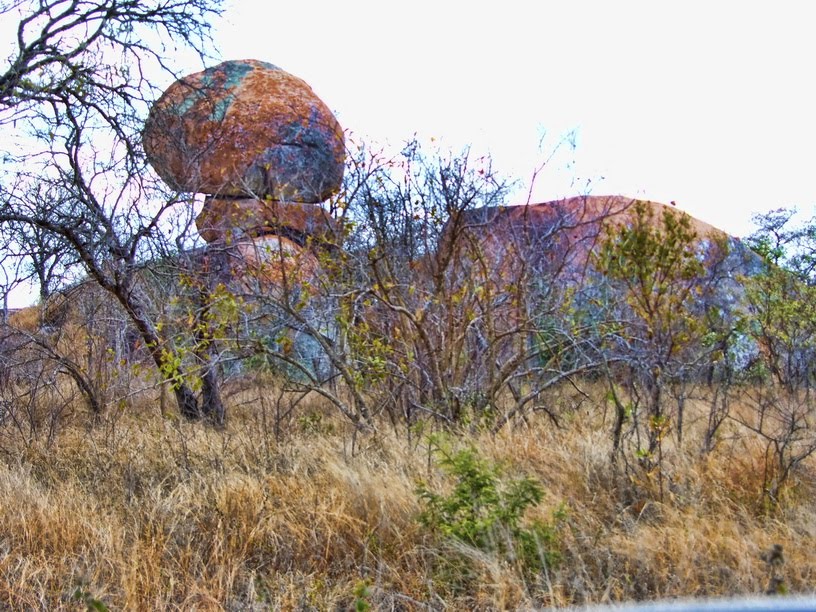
(266, 150)
(246, 129)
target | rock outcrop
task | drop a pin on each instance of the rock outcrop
(553, 243)
(266, 151)
(226, 218)
(263, 147)
(270, 262)
(565, 232)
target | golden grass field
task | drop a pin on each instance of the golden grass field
(137, 510)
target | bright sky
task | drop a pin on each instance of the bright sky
(709, 104)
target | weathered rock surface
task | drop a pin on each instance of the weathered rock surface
(562, 232)
(275, 261)
(575, 216)
(554, 242)
(223, 218)
(248, 129)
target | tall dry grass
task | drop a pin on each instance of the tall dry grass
(140, 511)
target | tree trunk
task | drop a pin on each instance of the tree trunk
(133, 303)
(211, 404)
(206, 352)
(187, 402)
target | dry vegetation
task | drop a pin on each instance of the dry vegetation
(484, 408)
(474, 435)
(136, 510)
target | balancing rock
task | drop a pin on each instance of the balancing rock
(246, 128)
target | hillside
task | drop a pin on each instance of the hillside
(278, 367)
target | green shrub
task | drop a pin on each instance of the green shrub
(486, 512)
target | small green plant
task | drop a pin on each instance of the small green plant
(92, 604)
(314, 423)
(362, 593)
(487, 512)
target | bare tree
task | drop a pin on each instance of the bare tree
(41, 258)
(74, 94)
(442, 303)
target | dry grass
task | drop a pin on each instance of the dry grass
(141, 511)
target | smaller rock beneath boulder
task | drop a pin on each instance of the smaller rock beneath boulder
(274, 263)
(223, 218)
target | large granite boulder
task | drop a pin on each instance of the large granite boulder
(246, 129)
(552, 244)
(559, 235)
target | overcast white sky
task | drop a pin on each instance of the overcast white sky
(710, 104)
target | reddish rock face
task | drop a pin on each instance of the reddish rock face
(555, 236)
(246, 129)
(221, 218)
(576, 217)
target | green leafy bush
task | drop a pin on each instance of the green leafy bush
(486, 512)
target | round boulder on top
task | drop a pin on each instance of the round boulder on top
(246, 129)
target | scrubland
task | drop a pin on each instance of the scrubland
(135, 509)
